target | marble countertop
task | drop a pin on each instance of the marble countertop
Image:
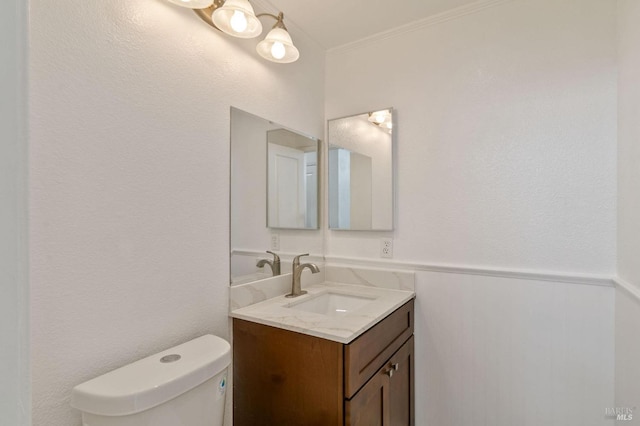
(277, 312)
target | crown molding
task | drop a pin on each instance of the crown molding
(265, 6)
(418, 25)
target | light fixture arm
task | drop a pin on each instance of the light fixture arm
(279, 20)
(206, 13)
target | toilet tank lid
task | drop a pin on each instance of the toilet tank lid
(153, 380)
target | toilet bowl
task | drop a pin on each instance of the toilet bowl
(182, 386)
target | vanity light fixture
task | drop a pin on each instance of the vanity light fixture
(277, 45)
(237, 18)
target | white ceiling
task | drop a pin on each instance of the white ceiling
(333, 23)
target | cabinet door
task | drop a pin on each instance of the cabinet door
(282, 378)
(387, 398)
(401, 384)
(370, 406)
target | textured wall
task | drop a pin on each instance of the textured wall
(627, 305)
(14, 334)
(129, 166)
(506, 135)
(506, 160)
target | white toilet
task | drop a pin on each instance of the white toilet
(182, 386)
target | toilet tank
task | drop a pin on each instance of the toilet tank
(181, 386)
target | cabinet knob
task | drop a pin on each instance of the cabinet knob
(394, 367)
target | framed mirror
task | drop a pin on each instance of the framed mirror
(360, 172)
(273, 195)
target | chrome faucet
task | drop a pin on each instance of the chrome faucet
(297, 268)
(275, 264)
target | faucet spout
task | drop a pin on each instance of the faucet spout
(274, 265)
(312, 266)
(296, 287)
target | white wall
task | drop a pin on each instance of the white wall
(627, 351)
(129, 166)
(504, 352)
(14, 333)
(506, 162)
(506, 135)
(628, 304)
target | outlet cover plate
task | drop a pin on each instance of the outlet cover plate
(275, 242)
(386, 248)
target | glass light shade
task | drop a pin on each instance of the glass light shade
(229, 19)
(278, 47)
(193, 4)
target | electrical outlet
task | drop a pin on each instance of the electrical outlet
(275, 242)
(386, 248)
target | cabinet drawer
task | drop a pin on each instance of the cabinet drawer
(364, 356)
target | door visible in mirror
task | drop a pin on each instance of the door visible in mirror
(292, 180)
(361, 172)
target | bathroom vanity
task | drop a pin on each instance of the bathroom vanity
(302, 367)
(342, 354)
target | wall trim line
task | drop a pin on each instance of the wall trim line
(429, 21)
(583, 279)
(628, 287)
(597, 280)
(283, 254)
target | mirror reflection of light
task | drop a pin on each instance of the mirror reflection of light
(380, 118)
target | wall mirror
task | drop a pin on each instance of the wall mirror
(361, 171)
(274, 195)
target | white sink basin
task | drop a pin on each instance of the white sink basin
(332, 304)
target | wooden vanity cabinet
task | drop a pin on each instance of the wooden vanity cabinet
(284, 378)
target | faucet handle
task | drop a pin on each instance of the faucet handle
(296, 260)
(276, 258)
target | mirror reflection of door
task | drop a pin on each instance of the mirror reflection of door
(286, 192)
(361, 199)
(350, 189)
(311, 186)
(292, 180)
